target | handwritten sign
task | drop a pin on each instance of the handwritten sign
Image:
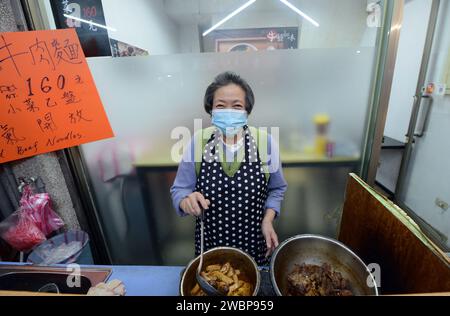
(48, 99)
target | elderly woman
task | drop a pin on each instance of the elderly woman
(234, 181)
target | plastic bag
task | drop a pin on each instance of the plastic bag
(20, 231)
(52, 254)
(31, 223)
(38, 208)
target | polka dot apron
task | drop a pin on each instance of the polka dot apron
(237, 203)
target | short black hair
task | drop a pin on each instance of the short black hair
(224, 79)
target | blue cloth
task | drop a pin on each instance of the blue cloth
(186, 178)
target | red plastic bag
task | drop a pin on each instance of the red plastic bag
(20, 231)
(38, 208)
(31, 223)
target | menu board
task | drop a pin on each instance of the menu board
(89, 22)
(48, 98)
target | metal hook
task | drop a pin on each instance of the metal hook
(24, 182)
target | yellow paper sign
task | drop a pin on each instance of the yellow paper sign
(48, 98)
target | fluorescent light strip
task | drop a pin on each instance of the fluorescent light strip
(90, 22)
(249, 3)
(290, 5)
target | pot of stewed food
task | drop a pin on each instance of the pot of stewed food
(312, 265)
(230, 270)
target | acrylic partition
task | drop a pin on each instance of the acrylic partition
(147, 97)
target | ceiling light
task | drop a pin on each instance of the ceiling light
(297, 10)
(237, 11)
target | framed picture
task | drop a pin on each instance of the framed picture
(121, 49)
(250, 40)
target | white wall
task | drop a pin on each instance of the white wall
(189, 38)
(142, 23)
(429, 176)
(412, 41)
(342, 23)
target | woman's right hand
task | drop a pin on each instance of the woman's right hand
(193, 203)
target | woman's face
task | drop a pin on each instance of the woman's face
(230, 97)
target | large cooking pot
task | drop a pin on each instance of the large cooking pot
(221, 255)
(313, 249)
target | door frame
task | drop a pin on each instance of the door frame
(382, 91)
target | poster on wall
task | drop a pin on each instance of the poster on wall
(48, 98)
(89, 22)
(122, 49)
(257, 39)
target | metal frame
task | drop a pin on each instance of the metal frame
(377, 118)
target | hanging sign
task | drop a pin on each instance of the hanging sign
(48, 98)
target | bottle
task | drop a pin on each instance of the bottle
(322, 122)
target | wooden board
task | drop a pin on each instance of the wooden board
(380, 232)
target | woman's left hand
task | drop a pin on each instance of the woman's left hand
(269, 232)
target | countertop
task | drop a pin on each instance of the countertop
(157, 280)
(141, 280)
(161, 160)
(148, 280)
(390, 143)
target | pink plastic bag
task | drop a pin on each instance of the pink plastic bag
(38, 208)
(20, 232)
(31, 223)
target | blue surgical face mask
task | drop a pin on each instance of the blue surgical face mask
(229, 122)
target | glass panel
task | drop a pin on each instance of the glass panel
(326, 69)
(161, 27)
(427, 189)
(146, 98)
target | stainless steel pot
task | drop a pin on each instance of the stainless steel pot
(314, 249)
(237, 258)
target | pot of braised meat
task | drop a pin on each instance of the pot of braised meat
(312, 265)
(230, 270)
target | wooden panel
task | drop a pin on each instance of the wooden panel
(380, 232)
